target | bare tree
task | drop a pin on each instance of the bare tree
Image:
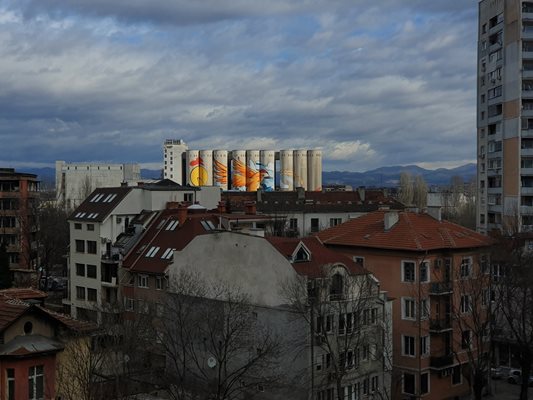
(420, 192)
(215, 345)
(406, 192)
(345, 318)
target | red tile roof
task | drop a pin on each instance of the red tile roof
(24, 293)
(321, 256)
(413, 231)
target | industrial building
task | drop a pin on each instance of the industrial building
(243, 170)
(75, 181)
(505, 112)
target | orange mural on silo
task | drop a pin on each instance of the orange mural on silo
(221, 173)
(238, 175)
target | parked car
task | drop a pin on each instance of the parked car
(497, 373)
(515, 377)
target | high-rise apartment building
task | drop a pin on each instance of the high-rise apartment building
(173, 164)
(505, 112)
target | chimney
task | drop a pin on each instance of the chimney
(260, 195)
(250, 208)
(172, 205)
(435, 212)
(301, 193)
(361, 191)
(182, 214)
(390, 219)
(221, 207)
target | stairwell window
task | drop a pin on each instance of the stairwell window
(36, 382)
(336, 290)
(408, 346)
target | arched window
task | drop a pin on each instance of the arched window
(336, 290)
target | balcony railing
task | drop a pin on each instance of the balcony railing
(441, 361)
(439, 288)
(439, 325)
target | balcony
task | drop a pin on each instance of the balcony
(527, 54)
(527, 73)
(526, 190)
(441, 362)
(528, 210)
(440, 325)
(528, 151)
(526, 171)
(527, 94)
(528, 110)
(495, 208)
(527, 133)
(440, 288)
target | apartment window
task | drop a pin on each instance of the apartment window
(482, 98)
(188, 197)
(91, 294)
(80, 293)
(466, 267)
(466, 303)
(159, 283)
(90, 227)
(36, 382)
(335, 221)
(408, 348)
(408, 383)
(424, 346)
(10, 387)
(314, 225)
(495, 146)
(365, 352)
(424, 309)
(77, 226)
(142, 281)
(484, 264)
(424, 383)
(408, 271)
(91, 247)
(484, 28)
(374, 316)
(129, 304)
(494, 110)
(80, 269)
(456, 375)
(80, 246)
(374, 383)
(494, 92)
(293, 224)
(408, 308)
(424, 272)
(91, 271)
(465, 339)
(495, 56)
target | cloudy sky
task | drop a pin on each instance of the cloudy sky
(372, 83)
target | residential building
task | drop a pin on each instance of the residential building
(300, 213)
(432, 267)
(75, 181)
(505, 116)
(174, 160)
(35, 346)
(97, 224)
(19, 194)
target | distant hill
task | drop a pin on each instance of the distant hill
(380, 177)
(389, 176)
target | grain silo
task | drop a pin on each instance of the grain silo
(193, 167)
(268, 166)
(238, 170)
(220, 169)
(286, 170)
(253, 167)
(206, 166)
(300, 169)
(314, 170)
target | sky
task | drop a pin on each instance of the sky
(371, 83)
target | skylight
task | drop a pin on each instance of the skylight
(172, 225)
(167, 255)
(152, 252)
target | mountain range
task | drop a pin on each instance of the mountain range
(380, 177)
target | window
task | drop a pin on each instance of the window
(314, 225)
(159, 283)
(91, 247)
(408, 308)
(408, 271)
(129, 304)
(424, 272)
(495, 92)
(456, 375)
(90, 227)
(335, 221)
(359, 260)
(408, 383)
(424, 308)
(465, 339)
(80, 292)
(424, 346)
(484, 264)
(293, 224)
(188, 197)
(91, 294)
(466, 267)
(77, 226)
(142, 281)
(336, 290)
(374, 316)
(485, 297)
(424, 383)
(80, 269)
(466, 305)
(365, 352)
(80, 246)
(36, 382)
(10, 387)
(91, 271)
(408, 346)
(374, 383)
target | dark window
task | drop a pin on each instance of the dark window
(90, 227)
(456, 375)
(91, 294)
(77, 226)
(408, 383)
(80, 246)
(424, 383)
(10, 376)
(408, 272)
(91, 246)
(314, 225)
(337, 286)
(36, 382)
(91, 271)
(80, 269)
(80, 293)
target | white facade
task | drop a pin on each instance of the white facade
(173, 151)
(74, 181)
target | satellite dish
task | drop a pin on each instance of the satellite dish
(211, 362)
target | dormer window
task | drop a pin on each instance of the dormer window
(302, 255)
(336, 290)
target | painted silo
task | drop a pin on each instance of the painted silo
(286, 170)
(314, 170)
(238, 170)
(268, 165)
(193, 167)
(253, 167)
(220, 169)
(300, 169)
(206, 165)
